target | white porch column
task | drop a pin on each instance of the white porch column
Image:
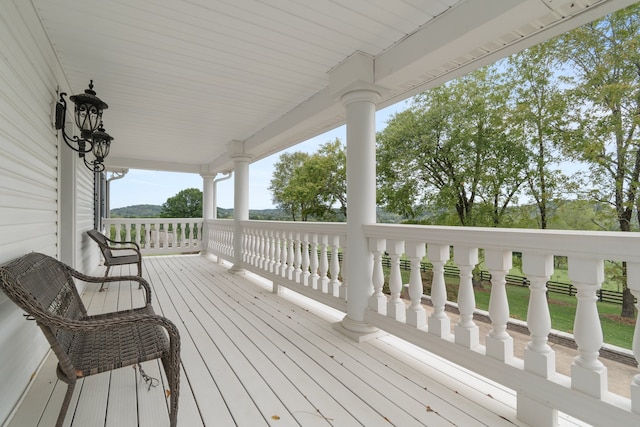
(361, 208)
(208, 207)
(240, 199)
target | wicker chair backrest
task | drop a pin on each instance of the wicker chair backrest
(43, 287)
(102, 242)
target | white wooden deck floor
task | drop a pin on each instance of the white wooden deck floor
(253, 358)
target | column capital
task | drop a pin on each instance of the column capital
(353, 79)
(235, 149)
(362, 93)
(208, 175)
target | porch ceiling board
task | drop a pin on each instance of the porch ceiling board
(184, 78)
(250, 356)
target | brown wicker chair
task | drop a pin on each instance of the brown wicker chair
(132, 255)
(86, 345)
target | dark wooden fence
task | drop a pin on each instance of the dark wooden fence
(555, 287)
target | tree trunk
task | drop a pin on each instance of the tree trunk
(628, 309)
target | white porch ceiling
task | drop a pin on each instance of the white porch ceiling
(185, 78)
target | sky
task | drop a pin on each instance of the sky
(143, 187)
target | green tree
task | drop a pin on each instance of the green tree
(309, 185)
(284, 195)
(333, 159)
(186, 204)
(451, 150)
(605, 57)
(538, 117)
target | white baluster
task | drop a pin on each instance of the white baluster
(262, 249)
(315, 278)
(252, 245)
(466, 331)
(539, 358)
(377, 301)
(272, 251)
(283, 254)
(439, 322)
(416, 314)
(258, 247)
(588, 374)
(305, 259)
(278, 253)
(324, 263)
(334, 268)
(342, 293)
(297, 259)
(396, 308)
(127, 234)
(291, 257)
(499, 343)
(158, 246)
(633, 282)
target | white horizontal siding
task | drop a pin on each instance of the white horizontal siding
(88, 256)
(28, 180)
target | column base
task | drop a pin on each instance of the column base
(238, 270)
(358, 331)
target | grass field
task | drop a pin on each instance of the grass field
(616, 330)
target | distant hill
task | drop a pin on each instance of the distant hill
(153, 211)
(137, 211)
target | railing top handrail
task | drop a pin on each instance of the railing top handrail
(585, 244)
(299, 226)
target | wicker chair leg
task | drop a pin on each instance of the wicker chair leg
(172, 369)
(140, 272)
(65, 404)
(106, 273)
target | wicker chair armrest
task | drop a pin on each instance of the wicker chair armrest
(97, 324)
(94, 279)
(130, 248)
(146, 310)
(115, 242)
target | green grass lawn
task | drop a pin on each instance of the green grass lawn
(616, 330)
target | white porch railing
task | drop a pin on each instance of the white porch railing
(157, 235)
(300, 256)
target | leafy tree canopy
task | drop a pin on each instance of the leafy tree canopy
(186, 204)
(308, 185)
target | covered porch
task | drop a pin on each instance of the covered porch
(208, 88)
(251, 357)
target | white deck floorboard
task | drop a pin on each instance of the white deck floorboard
(252, 358)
